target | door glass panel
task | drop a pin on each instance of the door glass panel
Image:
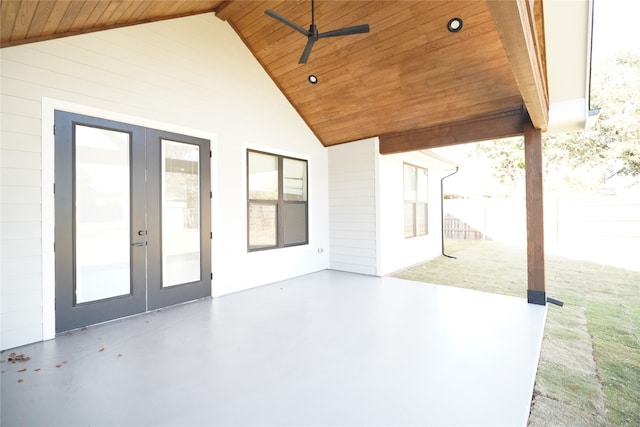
(102, 214)
(180, 213)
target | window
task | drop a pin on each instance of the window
(416, 206)
(277, 201)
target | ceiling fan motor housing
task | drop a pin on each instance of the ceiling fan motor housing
(313, 34)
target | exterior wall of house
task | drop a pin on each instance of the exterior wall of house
(396, 251)
(352, 206)
(190, 75)
(367, 209)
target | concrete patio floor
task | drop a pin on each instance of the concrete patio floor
(328, 348)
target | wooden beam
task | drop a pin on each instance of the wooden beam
(228, 8)
(490, 126)
(536, 292)
(515, 22)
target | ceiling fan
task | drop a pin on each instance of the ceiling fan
(312, 33)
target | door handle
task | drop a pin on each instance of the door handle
(137, 244)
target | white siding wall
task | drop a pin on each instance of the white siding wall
(367, 209)
(352, 206)
(397, 252)
(190, 75)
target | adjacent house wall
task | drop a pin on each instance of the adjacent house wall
(190, 75)
(396, 251)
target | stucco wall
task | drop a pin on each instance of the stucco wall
(190, 75)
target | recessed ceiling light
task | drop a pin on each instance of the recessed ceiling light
(454, 25)
(312, 79)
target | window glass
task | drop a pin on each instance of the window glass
(263, 230)
(409, 182)
(421, 219)
(295, 223)
(409, 219)
(277, 205)
(423, 185)
(294, 174)
(416, 198)
(263, 176)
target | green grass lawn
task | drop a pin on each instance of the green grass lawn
(599, 323)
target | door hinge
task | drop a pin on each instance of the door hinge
(54, 129)
(211, 235)
(211, 194)
(211, 276)
(210, 154)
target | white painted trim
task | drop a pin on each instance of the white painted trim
(271, 150)
(568, 116)
(568, 26)
(125, 118)
(378, 206)
(49, 106)
(48, 222)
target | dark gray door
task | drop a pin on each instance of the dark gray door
(178, 219)
(132, 219)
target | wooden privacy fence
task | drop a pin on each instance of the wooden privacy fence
(457, 229)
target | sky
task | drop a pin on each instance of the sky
(611, 30)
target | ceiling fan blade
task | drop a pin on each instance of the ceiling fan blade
(307, 51)
(285, 21)
(358, 29)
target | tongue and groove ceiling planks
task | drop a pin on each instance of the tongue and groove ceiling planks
(409, 81)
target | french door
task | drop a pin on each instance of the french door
(133, 210)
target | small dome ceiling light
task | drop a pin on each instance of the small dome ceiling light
(312, 79)
(454, 25)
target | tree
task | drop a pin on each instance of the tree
(590, 159)
(507, 159)
(618, 126)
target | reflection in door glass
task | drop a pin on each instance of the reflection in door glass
(102, 214)
(180, 213)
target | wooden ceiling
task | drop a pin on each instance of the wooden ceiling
(408, 76)
(27, 21)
